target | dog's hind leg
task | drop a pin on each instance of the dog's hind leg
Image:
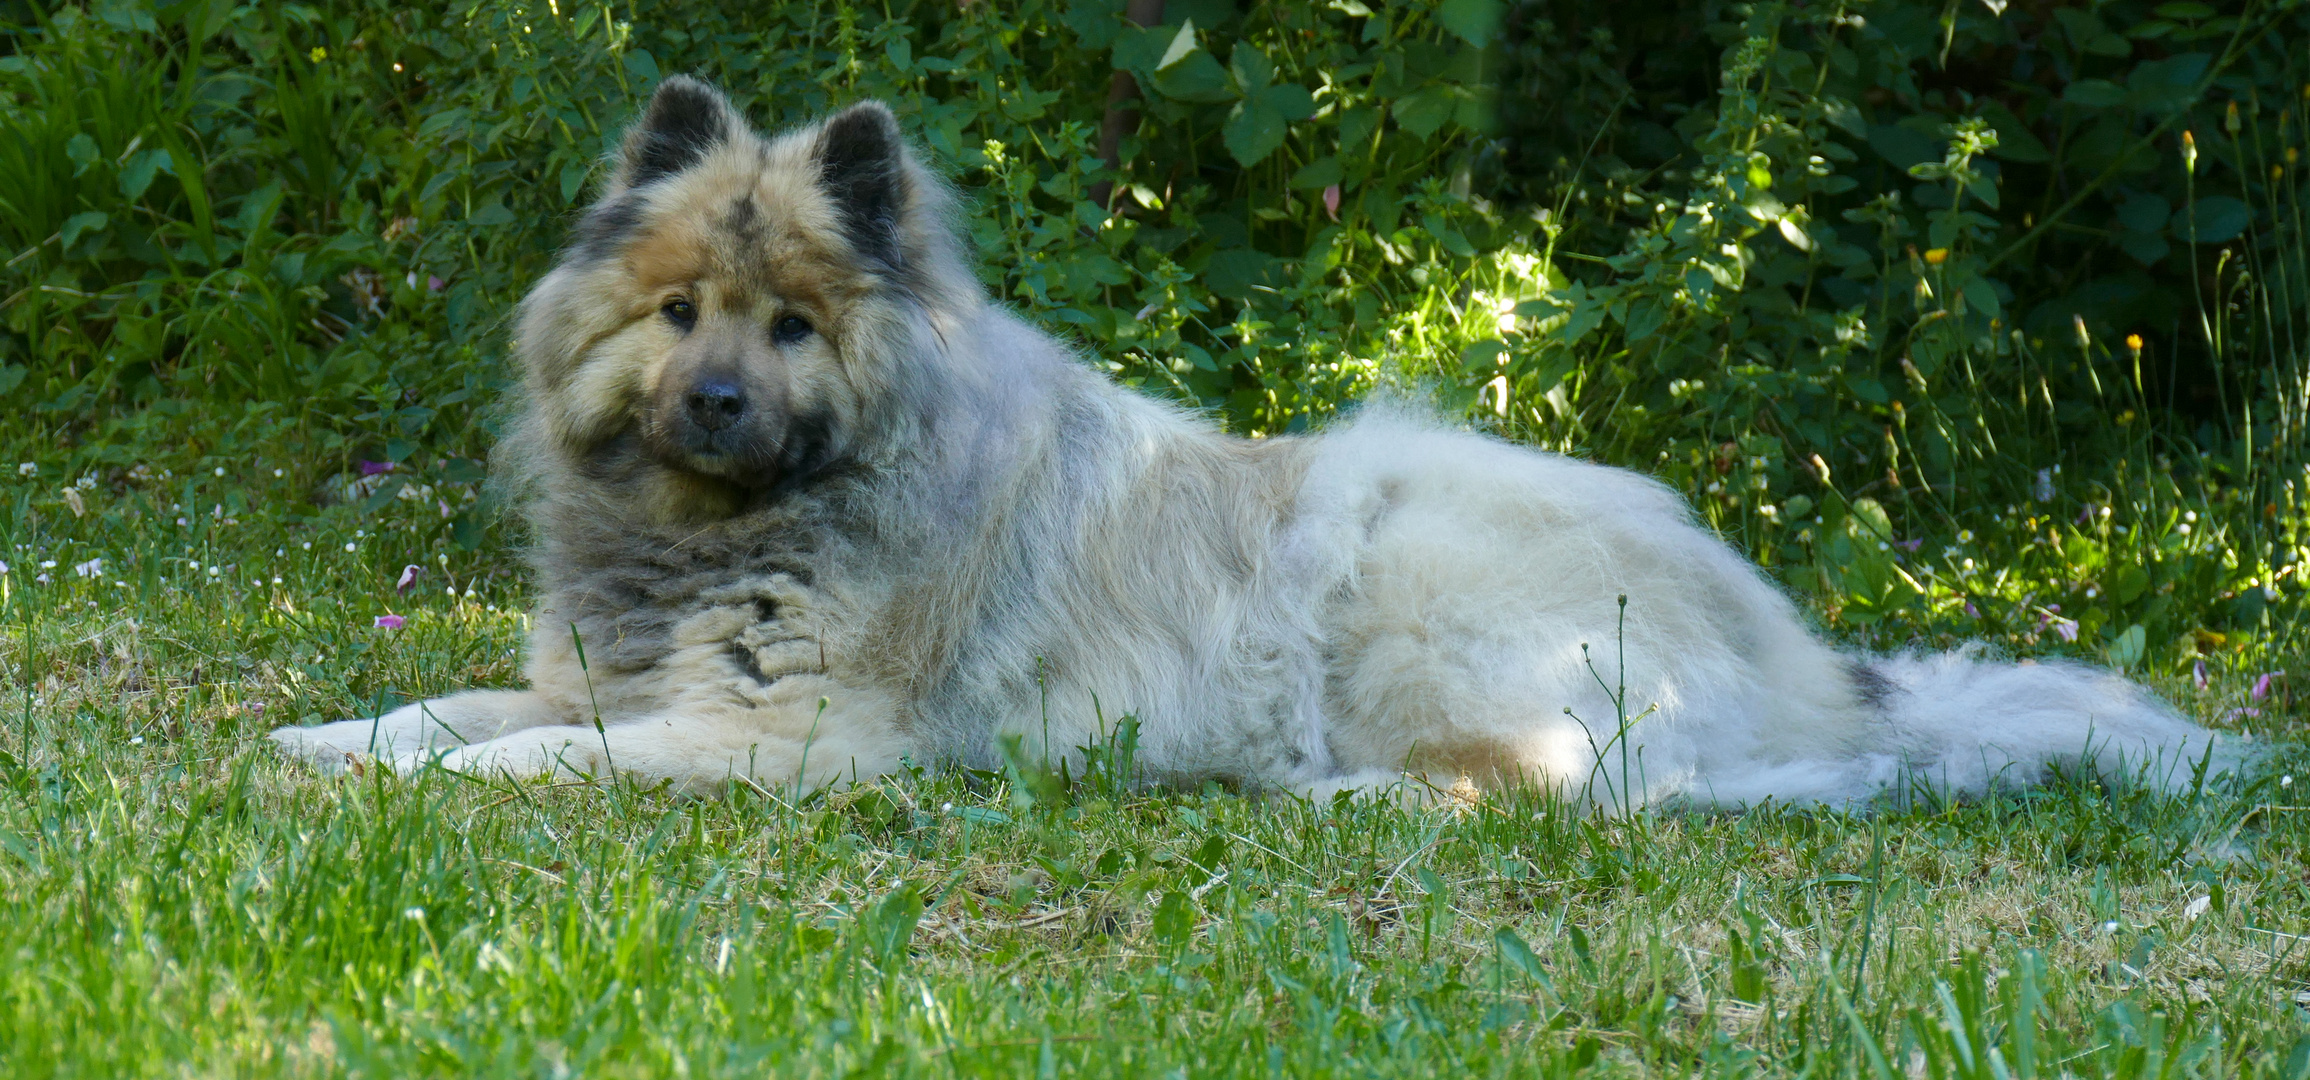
(474, 716)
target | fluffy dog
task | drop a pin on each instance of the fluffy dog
(808, 506)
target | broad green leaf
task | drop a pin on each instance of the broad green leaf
(1291, 100)
(82, 152)
(1320, 173)
(1475, 21)
(2217, 218)
(1187, 72)
(1182, 43)
(82, 224)
(2094, 93)
(2144, 213)
(1981, 294)
(1174, 918)
(1482, 356)
(1251, 68)
(643, 67)
(137, 175)
(1423, 112)
(1253, 130)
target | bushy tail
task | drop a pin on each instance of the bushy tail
(1963, 723)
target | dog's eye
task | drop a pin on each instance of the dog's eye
(790, 329)
(680, 312)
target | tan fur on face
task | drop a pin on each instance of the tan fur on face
(749, 238)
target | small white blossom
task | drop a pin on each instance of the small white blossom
(307, 545)
(278, 473)
(87, 482)
(350, 547)
(27, 468)
(48, 564)
(91, 568)
(220, 470)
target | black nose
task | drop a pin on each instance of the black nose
(716, 404)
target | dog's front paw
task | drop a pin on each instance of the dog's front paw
(332, 747)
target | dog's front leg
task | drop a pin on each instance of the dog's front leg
(471, 717)
(810, 732)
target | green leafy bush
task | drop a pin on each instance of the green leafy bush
(1922, 302)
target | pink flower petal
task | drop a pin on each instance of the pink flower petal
(434, 284)
(372, 468)
(1331, 201)
(2066, 628)
(408, 577)
(2198, 674)
(2262, 685)
(389, 622)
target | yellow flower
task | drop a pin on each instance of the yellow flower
(319, 54)
(2134, 342)
(1937, 256)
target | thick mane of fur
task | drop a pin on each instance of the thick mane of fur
(807, 506)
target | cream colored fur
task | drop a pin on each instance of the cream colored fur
(1006, 544)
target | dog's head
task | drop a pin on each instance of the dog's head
(731, 310)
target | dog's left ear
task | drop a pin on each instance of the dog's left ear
(686, 120)
(862, 164)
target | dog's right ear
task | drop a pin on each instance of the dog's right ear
(686, 120)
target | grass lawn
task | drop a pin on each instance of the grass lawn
(176, 899)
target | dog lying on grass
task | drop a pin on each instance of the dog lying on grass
(808, 507)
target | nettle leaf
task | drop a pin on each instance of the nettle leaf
(2094, 93)
(1253, 131)
(1251, 68)
(79, 225)
(1257, 125)
(1423, 112)
(82, 151)
(1476, 21)
(2144, 213)
(1290, 99)
(1321, 173)
(2146, 247)
(138, 174)
(1187, 72)
(2217, 218)
(1482, 356)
